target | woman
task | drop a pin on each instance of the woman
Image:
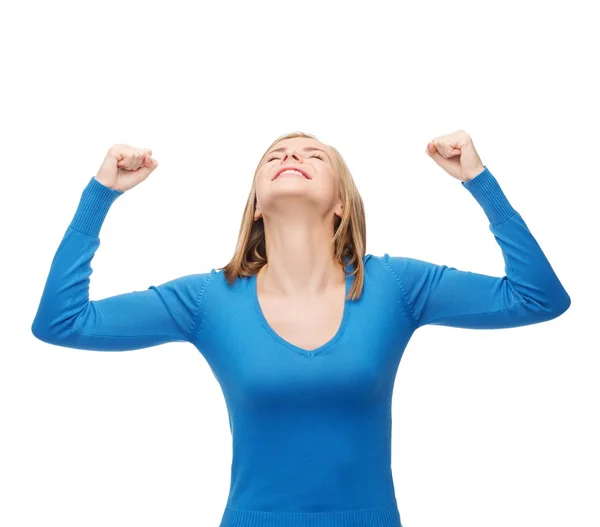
(302, 329)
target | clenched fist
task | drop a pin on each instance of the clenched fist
(456, 154)
(125, 166)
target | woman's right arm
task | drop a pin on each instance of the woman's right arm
(67, 317)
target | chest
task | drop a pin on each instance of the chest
(268, 350)
(306, 323)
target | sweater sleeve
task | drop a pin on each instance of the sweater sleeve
(529, 293)
(168, 312)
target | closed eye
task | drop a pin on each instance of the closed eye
(314, 155)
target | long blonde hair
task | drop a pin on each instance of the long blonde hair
(349, 231)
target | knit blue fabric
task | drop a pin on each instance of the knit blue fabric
(311, 429)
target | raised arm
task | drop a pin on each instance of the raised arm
(66, 317)
(529, 293)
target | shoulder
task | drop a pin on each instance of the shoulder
(188, 290)
(395, 264)
(191, 282)
(407, 270)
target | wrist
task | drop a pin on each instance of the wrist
(472, 173)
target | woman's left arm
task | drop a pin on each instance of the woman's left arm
(530, 292)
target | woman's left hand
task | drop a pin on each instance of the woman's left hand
(456, 154)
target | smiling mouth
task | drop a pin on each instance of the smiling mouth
(291, 172)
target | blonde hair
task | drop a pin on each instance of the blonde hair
(349, 231)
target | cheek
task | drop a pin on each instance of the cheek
(330, 181)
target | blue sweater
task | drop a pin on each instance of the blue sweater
(311, 430)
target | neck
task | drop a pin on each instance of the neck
(300, 260)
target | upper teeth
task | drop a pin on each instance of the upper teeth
(291, 171)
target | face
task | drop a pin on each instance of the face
(316, 191)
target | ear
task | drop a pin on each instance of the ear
(339, 209)
(257, 212)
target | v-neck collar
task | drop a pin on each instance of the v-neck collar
(286, 343)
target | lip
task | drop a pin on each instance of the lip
(283, 169)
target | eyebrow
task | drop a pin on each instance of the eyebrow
(306, 149)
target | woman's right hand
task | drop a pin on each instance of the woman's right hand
(125, 166)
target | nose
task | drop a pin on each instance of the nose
(294, 156)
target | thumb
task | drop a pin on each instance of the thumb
(147, 167)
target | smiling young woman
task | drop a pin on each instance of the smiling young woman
(302, 328)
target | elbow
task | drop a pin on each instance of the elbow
(566, 303)
(45, 332)
(37, 332)
(40, 332)
(559, 305)
(53, 329)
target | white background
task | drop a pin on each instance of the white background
(491, 428)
